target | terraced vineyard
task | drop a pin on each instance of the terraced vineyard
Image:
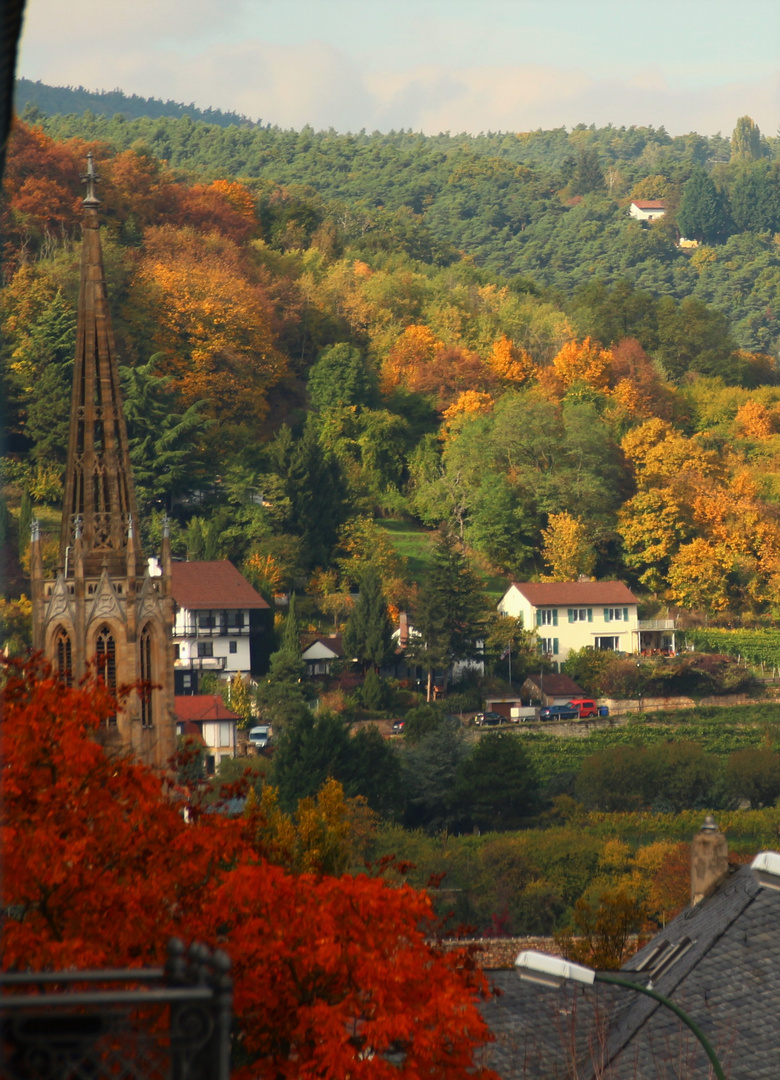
(755, 646)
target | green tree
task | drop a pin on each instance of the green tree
(372, 691)
(372, 769)
(309, 752)
(25, 521)
(613, 779)
(341, 377)
(165, 445)
(703, 214)
(431, 769)
(680, 774)
(587, 176)
(449, 617)
(746, 141)
(497, 785)
(368, 631)
(754, 774)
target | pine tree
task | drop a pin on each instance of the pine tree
(449, 617)
(368, 632)
(371, 691)
(291, 632)
(703, 214)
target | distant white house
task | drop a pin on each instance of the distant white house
(321, 653)
(647, 209)
(218, 623)
(206, 717)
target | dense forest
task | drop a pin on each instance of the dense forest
(417, 367)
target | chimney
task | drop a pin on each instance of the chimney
(709, 860)
(403, 629)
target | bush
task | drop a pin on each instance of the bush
(422, 720)
(615, 779)
(754, 774)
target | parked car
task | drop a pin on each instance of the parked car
(260, 736)
(398, 727)
(560, 712)
(489, 719)
(587, 707)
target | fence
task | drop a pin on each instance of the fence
(170, 1023)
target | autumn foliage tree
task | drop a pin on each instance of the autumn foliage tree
(100, 869)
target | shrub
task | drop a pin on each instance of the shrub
(754, 774)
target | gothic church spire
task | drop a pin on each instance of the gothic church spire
(98, 478)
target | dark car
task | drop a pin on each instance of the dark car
(489, 719)
(398, 726)
(560, 712)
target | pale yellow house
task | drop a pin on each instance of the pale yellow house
(571, 615)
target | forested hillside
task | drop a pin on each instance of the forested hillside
(301, 365)
(547, 205)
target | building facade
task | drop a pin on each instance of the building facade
(570, 615)
(221, 624)
(103, 609)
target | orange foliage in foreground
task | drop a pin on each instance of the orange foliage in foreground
(100, 869)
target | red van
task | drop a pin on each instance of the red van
(587, 707)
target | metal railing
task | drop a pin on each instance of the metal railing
(657, 624)
(170, 1023)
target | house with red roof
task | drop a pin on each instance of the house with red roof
(570, 615)
(206, 717)
(647, 209)
(221, 623)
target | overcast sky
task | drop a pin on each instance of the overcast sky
(430, 65)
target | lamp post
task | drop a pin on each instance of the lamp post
(553, 971)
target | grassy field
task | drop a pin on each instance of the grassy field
(415, 544)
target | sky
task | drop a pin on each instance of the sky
(428, 65)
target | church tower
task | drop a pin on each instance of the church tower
(107, 605)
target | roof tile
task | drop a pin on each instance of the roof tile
(200, 586)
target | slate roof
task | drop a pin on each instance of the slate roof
(541, 593)
(215, 585)
(727, 979)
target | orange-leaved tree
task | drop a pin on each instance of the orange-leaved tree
(100, 868)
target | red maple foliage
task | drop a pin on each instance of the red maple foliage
(100, 868)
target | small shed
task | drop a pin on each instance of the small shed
(551, 689)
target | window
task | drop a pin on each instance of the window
(225, 733)
(177, 652)
(63, 656)
(615, 614)
(205, 648)
(547, 617)
(146, 677)
(550, 646)
(233, 646)
(205, 620)
(580, 614)
(105, 652)
(610, 644)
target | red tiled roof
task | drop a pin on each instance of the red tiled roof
(650, 204)
(195, 707)
(200, 586)
(540, 593)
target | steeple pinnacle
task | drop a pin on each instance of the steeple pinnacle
(90, 178)
(98, 477)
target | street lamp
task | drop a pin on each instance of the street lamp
(552, 971)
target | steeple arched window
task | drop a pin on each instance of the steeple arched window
(63, 656)
(147, 691)
(105, 652)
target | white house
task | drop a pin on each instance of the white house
(647, 209)
(219, 624)
(321, 653)
(571, 615)
(208, 718)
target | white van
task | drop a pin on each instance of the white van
(260, 736)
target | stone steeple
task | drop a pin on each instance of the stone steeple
(107, 607)
(98, 478)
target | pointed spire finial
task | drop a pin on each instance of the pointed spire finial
(78, 522)
(90, 178)
(130, 527)
(166, 526)
(35, 530)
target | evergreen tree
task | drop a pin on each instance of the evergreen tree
(25, 520)
(291, 632)
(497, 785)
(371, 691)
(755, 198)
(164, 444)
(587, 175)
(51, 347)
(702, 214)
(449, 617)
(309, 751)
(368, 632)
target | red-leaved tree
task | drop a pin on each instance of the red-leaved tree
(100, 868)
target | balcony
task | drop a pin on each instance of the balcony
(656, 624)
(220, 629)
(201, 663)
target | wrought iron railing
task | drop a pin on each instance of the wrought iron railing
(170, 1023)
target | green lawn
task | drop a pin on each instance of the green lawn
(415, 544)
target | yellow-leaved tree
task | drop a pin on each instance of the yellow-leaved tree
(567, 549)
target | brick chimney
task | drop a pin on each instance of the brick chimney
(709, 860)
